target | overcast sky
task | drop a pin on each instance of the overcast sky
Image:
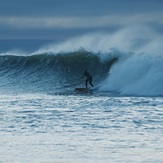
(62, 19)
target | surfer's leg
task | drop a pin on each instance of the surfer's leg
(86, 82)
(90, 82)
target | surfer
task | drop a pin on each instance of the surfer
(88, 78)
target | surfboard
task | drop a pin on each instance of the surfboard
(82, 90)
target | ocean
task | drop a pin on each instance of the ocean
(43, 118)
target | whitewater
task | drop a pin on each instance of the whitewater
(43, 118)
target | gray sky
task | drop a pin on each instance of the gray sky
(62, 19)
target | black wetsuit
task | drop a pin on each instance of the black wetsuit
(88, 78)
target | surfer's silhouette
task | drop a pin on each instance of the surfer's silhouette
(88, 78)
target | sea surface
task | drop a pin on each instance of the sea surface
(80, 128)
(44, 120)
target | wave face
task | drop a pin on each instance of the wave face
(51, 73)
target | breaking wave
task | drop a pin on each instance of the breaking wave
(129, 61)
(51, 72)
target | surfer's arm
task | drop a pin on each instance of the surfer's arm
(82, 75)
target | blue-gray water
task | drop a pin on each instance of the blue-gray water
(43, 118)
(80, 128)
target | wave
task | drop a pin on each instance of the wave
(129, 61)
(51, 72)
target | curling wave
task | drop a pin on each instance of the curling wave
(129, 61)
(51, 73)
